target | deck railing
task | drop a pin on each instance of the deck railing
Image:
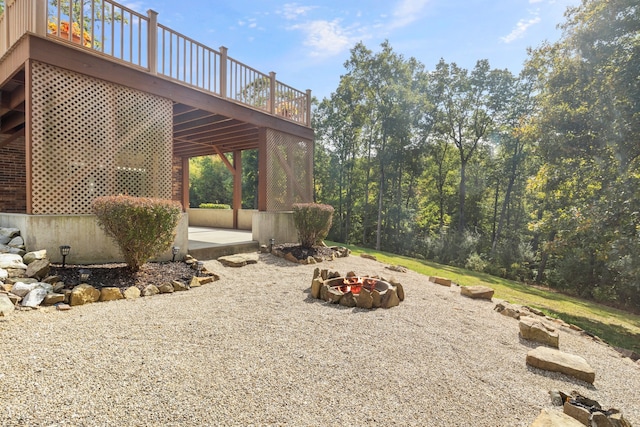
(111, 29)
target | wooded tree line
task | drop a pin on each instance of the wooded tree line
(531, 176)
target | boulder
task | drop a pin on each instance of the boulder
(38, 268)
(110, 293)
(178, 286)
(16, 242)
(477, 292)
(150, 290)
(11, 250)
(534, 330)
(553, 360)
(9, 232)
(3, 274)
(316, 285)
(508, 310)
(390, 299)
(53, 299)
(166, 288)
(550, 418)
(21, 289)
(12, 261)
(440, 280)
(132, 292)
(83, 294)
(6, 305)
(34, 298)
(29, 257)
(348, 300)
(364, 299)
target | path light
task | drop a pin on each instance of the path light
(174, 251)
(84, 275)
(272, 242)
(64, 251)
(199, 267)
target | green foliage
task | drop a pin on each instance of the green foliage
(209, 181)
(475, 263)
(312, 221)
(214, 206)
(141, 227)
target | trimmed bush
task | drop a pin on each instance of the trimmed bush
(214, 206)
(313, 221)
(142, 227)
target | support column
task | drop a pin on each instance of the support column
(262, 169)
(185, 184)
(237, 186)
(28, 135)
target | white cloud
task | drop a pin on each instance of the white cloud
(406, 12)
(521, 28)
(293, 11)
(326, 38)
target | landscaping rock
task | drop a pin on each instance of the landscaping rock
(553, 360)
(53, 299)
(179, 286)
(12, 262)
(549, 418)
(150, 290)
(239, 260)
(16, 242)
(368, 256)
(38, 268)
(3, 274)
(16, 272)
(29, 257)
(583, 415)
(508, 310)
(34, 298)
(110, 294)
(364, 299)
(7, 306)
(440, 280)
(22, 289)
(83, 294)
(132, 292)
(477, 292)
(316, 285)
(9, 232)
(166, 288)
(390, 299)
(534, 330)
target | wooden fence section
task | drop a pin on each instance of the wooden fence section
(107, 28)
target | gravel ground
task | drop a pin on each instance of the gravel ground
(255, 349)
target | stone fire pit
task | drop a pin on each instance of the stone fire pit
(352, 290)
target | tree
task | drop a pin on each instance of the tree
(464, 106)
(590, 128)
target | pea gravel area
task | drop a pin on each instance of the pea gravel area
(254, 348)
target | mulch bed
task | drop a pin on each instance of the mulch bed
(119, 275)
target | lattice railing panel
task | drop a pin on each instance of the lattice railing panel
(289, 171)
(91, 138)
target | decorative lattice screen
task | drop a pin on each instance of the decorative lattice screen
(289, 171)
(91, 138)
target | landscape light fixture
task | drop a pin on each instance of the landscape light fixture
(174, 251)
(199, 267)
(272, 243)
(64, 251)
(84, 275)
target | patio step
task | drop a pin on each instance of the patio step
(215, 251)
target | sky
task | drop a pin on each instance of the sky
(307, 42)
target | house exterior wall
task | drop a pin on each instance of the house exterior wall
(13, 177)
(93, 138)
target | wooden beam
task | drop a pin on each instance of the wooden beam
(12, 138)
(262, 169)
(185, 183)
(28, 138)
(12, 121)
(225, 161)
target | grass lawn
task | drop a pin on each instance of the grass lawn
(617, 327)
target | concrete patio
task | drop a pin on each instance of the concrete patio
(210, 243)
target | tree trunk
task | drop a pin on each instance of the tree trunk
(463, 194)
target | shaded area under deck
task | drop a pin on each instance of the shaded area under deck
(210, 243)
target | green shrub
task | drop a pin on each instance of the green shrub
(214, 206)
(142, 227)
(312, 221)
(475, 263)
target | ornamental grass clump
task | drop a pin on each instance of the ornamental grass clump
(142, 227)
(313, 221)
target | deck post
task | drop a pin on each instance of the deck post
(223, 71)
(237, 186)
(152, 41)
(40, 17)
(272, 92)
(308, 119)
